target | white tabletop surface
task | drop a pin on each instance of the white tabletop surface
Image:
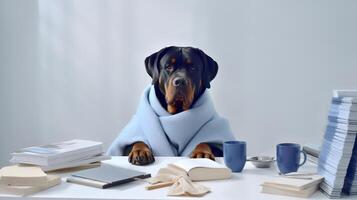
(244, 185)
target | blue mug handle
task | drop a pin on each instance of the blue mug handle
(303, 162)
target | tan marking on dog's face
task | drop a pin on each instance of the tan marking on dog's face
(178, 100)
(171, 109)
(190, 92)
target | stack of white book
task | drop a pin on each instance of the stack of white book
(67, 154)
(339, 139)
(296, 186)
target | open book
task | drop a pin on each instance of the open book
(200, 169)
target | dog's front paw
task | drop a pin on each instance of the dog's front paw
(140, 154)
(202, 151)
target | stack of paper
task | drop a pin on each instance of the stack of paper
(339, 139)
(292, 186)
(24, 180)
(61, 155)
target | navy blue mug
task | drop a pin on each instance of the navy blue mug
(235, 155)
(288, 157)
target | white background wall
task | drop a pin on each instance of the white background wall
(74, 69)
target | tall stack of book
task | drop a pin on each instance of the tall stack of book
(338, 142)
(350, 186)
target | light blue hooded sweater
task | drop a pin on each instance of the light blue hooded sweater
(173, 135)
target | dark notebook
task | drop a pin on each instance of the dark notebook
(106, 176)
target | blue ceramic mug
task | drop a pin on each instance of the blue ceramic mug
(288, 157)
(234, 153)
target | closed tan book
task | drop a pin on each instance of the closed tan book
(22, 176)
(286, 192)
(51, 180)
(296, 184)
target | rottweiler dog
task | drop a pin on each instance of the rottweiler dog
(180, 75)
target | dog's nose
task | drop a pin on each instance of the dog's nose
(178, 81)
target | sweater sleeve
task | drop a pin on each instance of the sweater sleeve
(214, 132)
(130, 134)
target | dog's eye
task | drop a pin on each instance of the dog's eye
(169, 67)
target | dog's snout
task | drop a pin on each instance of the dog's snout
(178, 81)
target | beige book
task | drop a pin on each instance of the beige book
(200, 169)
(296, 184)
(286, 192)
(51, 180)
(74, 169)
(73, 164)
(22, 175)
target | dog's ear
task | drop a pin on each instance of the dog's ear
(152, 65)
(210, 69)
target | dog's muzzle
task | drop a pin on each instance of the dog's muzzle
(179, 82)
(179, 93)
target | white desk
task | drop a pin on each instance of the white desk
(245, 185)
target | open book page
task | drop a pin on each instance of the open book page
(200, 169)
(188, 164)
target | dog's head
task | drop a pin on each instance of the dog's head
(181, 74)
